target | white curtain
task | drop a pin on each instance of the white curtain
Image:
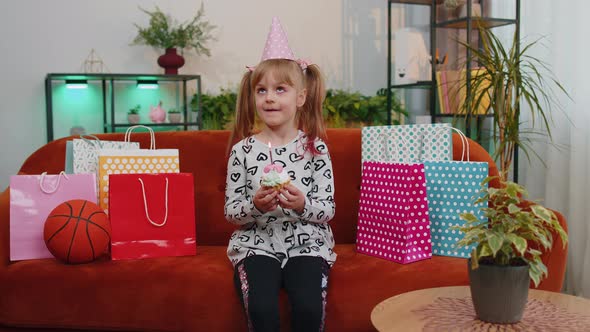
(564, 182)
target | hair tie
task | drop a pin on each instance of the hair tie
(303, 63)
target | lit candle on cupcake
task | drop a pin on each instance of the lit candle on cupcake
(273, 174)
(270, 152)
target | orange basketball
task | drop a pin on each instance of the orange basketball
(77, 231)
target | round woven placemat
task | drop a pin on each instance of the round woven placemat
(457, 314)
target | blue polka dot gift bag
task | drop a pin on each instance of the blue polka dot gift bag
(412, 143)
(452, 187)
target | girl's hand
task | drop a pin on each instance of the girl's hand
(292, 198)
(265, 199)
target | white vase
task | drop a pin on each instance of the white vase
(133, 118)
(175, 117)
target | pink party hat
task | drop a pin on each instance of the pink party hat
(277, 45)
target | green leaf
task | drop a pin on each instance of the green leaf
(534, 252)
(495, 241)
(542, 213)
(519, 243)
(485, 250)
(512, 189)
(469, 217)
(535, 275)
(512, 209)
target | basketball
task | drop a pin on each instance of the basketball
(77, 231)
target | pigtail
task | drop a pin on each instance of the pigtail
(311, 119)
(244, 118)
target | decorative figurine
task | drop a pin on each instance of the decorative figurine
(157, 114)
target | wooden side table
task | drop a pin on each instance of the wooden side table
(451, 309)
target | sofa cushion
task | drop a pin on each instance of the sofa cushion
(163, 294)
(177, 293)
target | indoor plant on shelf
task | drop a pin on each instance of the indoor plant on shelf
(509, 243)
(174, 115)
(133, 114)
(506, 78)
(163, 32)
(217, 111)
(344, 109)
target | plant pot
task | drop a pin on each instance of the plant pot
(475, 10)
(133, 118)
(499, 293)
(175, 117)
(445, 14)
(171, 61)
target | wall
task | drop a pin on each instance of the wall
(346, 38)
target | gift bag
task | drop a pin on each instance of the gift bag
(393, 218)
(32, 198)
(152, 215)
(85, 152)
(413, 143)
(69, 165)
(452, 187)
(133, 161)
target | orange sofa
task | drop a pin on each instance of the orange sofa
(196, 293)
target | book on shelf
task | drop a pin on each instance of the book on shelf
(451, 85)
(439, 91)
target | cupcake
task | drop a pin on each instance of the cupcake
(274, 177)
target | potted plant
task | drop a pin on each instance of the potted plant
(340, 109)
(217, 111)
(163, 32)
(352, 109)
(174, 115)
(458, 8)
(133, 114)
(509, 242)
(506, 78)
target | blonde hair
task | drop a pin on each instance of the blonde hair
(309, 117)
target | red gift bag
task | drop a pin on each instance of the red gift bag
(152, 215)
(393, 213)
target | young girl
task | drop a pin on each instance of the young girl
(284, 239)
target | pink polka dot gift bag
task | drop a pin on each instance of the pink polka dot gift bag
(393, 221)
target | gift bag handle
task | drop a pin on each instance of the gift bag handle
(464, 142)
(92, 140)
(383, 144)
(146, 206)
(438, 130)
(150, 130)
(62, 173)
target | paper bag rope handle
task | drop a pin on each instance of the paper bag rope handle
(62, 173)
(383, 145)
(464, 142)
(91, 140)
(438, 131)
(150, 130)
(146, 206)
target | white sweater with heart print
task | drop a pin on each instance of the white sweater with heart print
(281, 233)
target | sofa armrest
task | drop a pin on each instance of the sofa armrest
(555, 260)
(4, 228)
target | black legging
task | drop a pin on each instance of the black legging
(258, 280)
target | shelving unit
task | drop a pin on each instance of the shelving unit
(103, 103)
(472, 123)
